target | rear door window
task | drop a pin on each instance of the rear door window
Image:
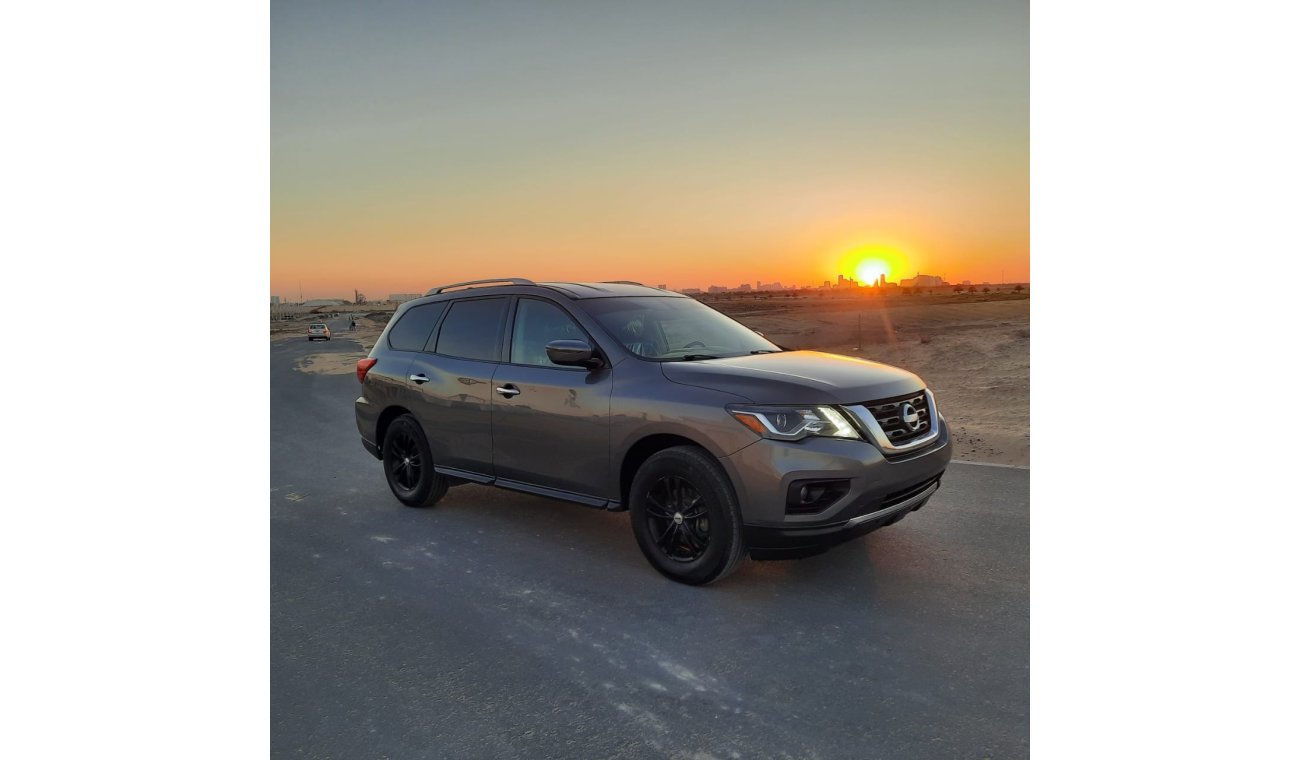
(412, 331)
(472, 329)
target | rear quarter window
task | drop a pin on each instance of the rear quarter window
(411, 332)
(472, 329)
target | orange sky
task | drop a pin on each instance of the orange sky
(417, 146)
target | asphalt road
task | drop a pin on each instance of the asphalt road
(499, 625)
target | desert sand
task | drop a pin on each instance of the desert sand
(972, 350)
(336, 362)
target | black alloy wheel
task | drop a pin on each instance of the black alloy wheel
(685, 516)
(404, 465)
(408, 464)
(679, 518)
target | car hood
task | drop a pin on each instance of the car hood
(797, 377)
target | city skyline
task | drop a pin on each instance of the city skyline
(757, 286)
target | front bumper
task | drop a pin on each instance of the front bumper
(793, 542)
(881, 490)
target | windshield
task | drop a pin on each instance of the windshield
(675, 329)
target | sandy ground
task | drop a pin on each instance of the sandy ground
(973, 351)
(336, 362)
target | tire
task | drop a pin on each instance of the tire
(408, 464)
(678, 497)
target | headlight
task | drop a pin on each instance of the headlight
(794, 423)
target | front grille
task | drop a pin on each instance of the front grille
(890, 414)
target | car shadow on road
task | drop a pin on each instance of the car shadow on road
(605, 541)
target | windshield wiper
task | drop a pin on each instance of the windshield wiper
(766, 351)
(694, 357)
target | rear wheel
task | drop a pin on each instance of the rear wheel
(408, 464)
(686, 517)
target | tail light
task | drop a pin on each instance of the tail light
(363, 366)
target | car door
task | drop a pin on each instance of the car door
(550, 424)
(388, 383)
(453, 378)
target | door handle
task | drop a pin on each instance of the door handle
(420, 378)
(509, 391)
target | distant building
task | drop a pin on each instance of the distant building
(717, 289)
(826, 283)
(403, 297)
(965, 282)
(275, 300)
(744, 287)
(325, 302)
(923, 281)
(690, 291)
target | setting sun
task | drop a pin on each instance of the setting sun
(866, 262)
(869, 271)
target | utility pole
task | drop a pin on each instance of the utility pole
(299, 291)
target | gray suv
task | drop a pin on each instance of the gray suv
(624, 397)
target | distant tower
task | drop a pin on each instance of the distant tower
(881, 282)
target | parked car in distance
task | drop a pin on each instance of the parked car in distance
(318, 330)
(624, 397)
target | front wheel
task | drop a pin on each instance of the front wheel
(686, 517)
(408, 464)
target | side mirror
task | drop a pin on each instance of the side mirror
(572, 353)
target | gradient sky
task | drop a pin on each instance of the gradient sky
(690, 144)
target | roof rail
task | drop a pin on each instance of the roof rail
(511, 280)
(620, 282)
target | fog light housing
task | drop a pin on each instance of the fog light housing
(806, 497)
